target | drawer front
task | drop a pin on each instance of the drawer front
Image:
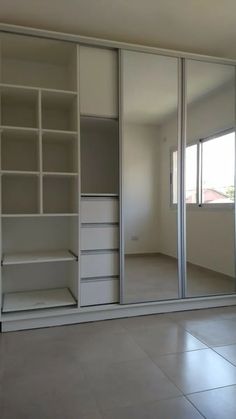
(98, 238)
(99, 292)
(99, 264)
(99, 211)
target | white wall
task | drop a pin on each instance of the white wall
(141, 188)
(210, 232)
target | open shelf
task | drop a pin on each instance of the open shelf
(60, 194)
(38, 257)
(19, 150)
(99, 156)
(37, 299)
(20, 194)
(38, 62)
(59, 111)
(19, 107)
(60, 152)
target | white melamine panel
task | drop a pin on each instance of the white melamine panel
(31, 300)
(99, 264)
(99, 210)
(102, 291)
(38, 62)
(37, 257)
(98, 238)
(98, 73)
(99, 140)
(20, 194)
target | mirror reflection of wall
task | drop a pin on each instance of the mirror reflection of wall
(210, 162)
(150, 96)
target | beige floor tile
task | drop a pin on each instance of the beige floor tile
(123, 384)
(39, 356)
(215, 313)
(162, 339)
(197, 370)
(212, 333)
(228, 352)
(216, 404)
(115, 347)
(177, 408)
(141, 322)
(61, 395)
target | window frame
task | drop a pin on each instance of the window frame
(199, 142)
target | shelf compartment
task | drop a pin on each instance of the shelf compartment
(19, 150)
(39, 234)
(99, 156)
(60, 194)
(60, 152)
(37, 299)
(99, 291)
(59, 111)
(38, 257)
(19, 107)
(20, 194)
(38, 62)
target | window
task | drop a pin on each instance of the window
(210, 171)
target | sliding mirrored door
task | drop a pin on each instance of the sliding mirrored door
(210, 178)
(149, 167)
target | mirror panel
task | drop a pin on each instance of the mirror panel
(210, 174)
(149, 164)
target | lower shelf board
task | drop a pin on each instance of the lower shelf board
(38, 299)
(37, 257)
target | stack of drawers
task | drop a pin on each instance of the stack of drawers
(99, 251)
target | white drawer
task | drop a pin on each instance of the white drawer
(102, 291)
(99, 264)
(99, 210)
(98, 238)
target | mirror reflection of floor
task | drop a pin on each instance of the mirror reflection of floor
(154, 277)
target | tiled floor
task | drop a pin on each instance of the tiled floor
(172, 366)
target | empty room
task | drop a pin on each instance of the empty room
(117, 209)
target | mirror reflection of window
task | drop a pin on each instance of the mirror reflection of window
(218, 170)
(210, 222)
(214, 172)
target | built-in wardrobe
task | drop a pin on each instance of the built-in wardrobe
(117, 180)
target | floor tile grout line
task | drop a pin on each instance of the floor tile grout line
(209, 389)
(222, 356)
(195, 407)
(148, 403)
(196, 337)
(182, 392)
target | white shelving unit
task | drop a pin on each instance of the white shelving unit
(44, 87)
(39, 173)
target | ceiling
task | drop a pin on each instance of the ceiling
(201, 26)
